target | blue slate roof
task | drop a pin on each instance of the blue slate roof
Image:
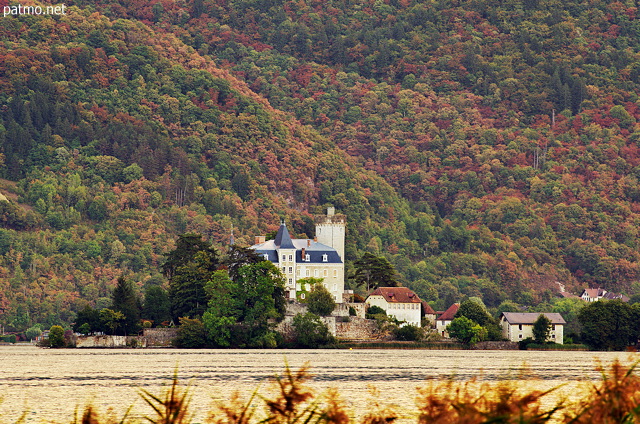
(312, 248)
(283, 239)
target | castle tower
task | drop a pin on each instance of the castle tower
(330, 230)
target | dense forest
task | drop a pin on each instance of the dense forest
(485, 149)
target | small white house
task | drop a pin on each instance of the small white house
(518, 326)
(593, 295)
(398, 302)
(445, 319)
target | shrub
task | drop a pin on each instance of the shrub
(11, 338)
(352, 311)
(409, 333)
(310, 331)
(191, 334)
(320, 301)
(374, 312)
(56, 336)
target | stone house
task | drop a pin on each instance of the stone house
(518, 326)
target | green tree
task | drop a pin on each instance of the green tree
(373, 272)
(111, 320)
(609, 325)
(191, 334)
(375, 311)
(242, 312)
(33, 332)
(238, 256)
(310, 331)
(189, 266)
(125, 300)
(466, 331)
(222, 314)
(541, 329)
(90, 317)
(474, 309)
(409, 333)
(56, 336)
(320, 301)
(157, 306)
(260, 299)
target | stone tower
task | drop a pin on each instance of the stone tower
(330, 230)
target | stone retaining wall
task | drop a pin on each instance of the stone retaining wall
(109, 341)
(358, 329)
(159, 337)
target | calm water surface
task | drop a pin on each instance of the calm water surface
(50, 384)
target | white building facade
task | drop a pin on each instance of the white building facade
(518, 326)
(320, 258)
(398, 302)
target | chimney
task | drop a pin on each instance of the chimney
(308, 242)
(302, 255)
(260, 239)
(315, 239)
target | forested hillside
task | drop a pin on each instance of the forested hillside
(485, 149)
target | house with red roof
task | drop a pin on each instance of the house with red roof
(398, 302)
(445, 319)
(429, 313)
(593, 295)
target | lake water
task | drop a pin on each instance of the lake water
(49, 385)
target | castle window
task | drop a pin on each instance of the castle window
(284, 258)
(306, 273)
(307, 257)
(325, 272)
(302, 296)
(335, 272)
(325, 258)
(290, 258)
(290, 270)
(315, 272)
(284, 269)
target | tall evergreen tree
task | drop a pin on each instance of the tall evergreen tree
(189, 266)
(124, 299)
(157, 306)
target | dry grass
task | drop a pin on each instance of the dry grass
(615, 399)
(449, 402)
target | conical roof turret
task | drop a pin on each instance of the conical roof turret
(283, 238)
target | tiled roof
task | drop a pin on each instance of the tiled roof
(614, 296)
(594, 293)
(450, 313)
(531, 317)
(428, 310)
(397, 295)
